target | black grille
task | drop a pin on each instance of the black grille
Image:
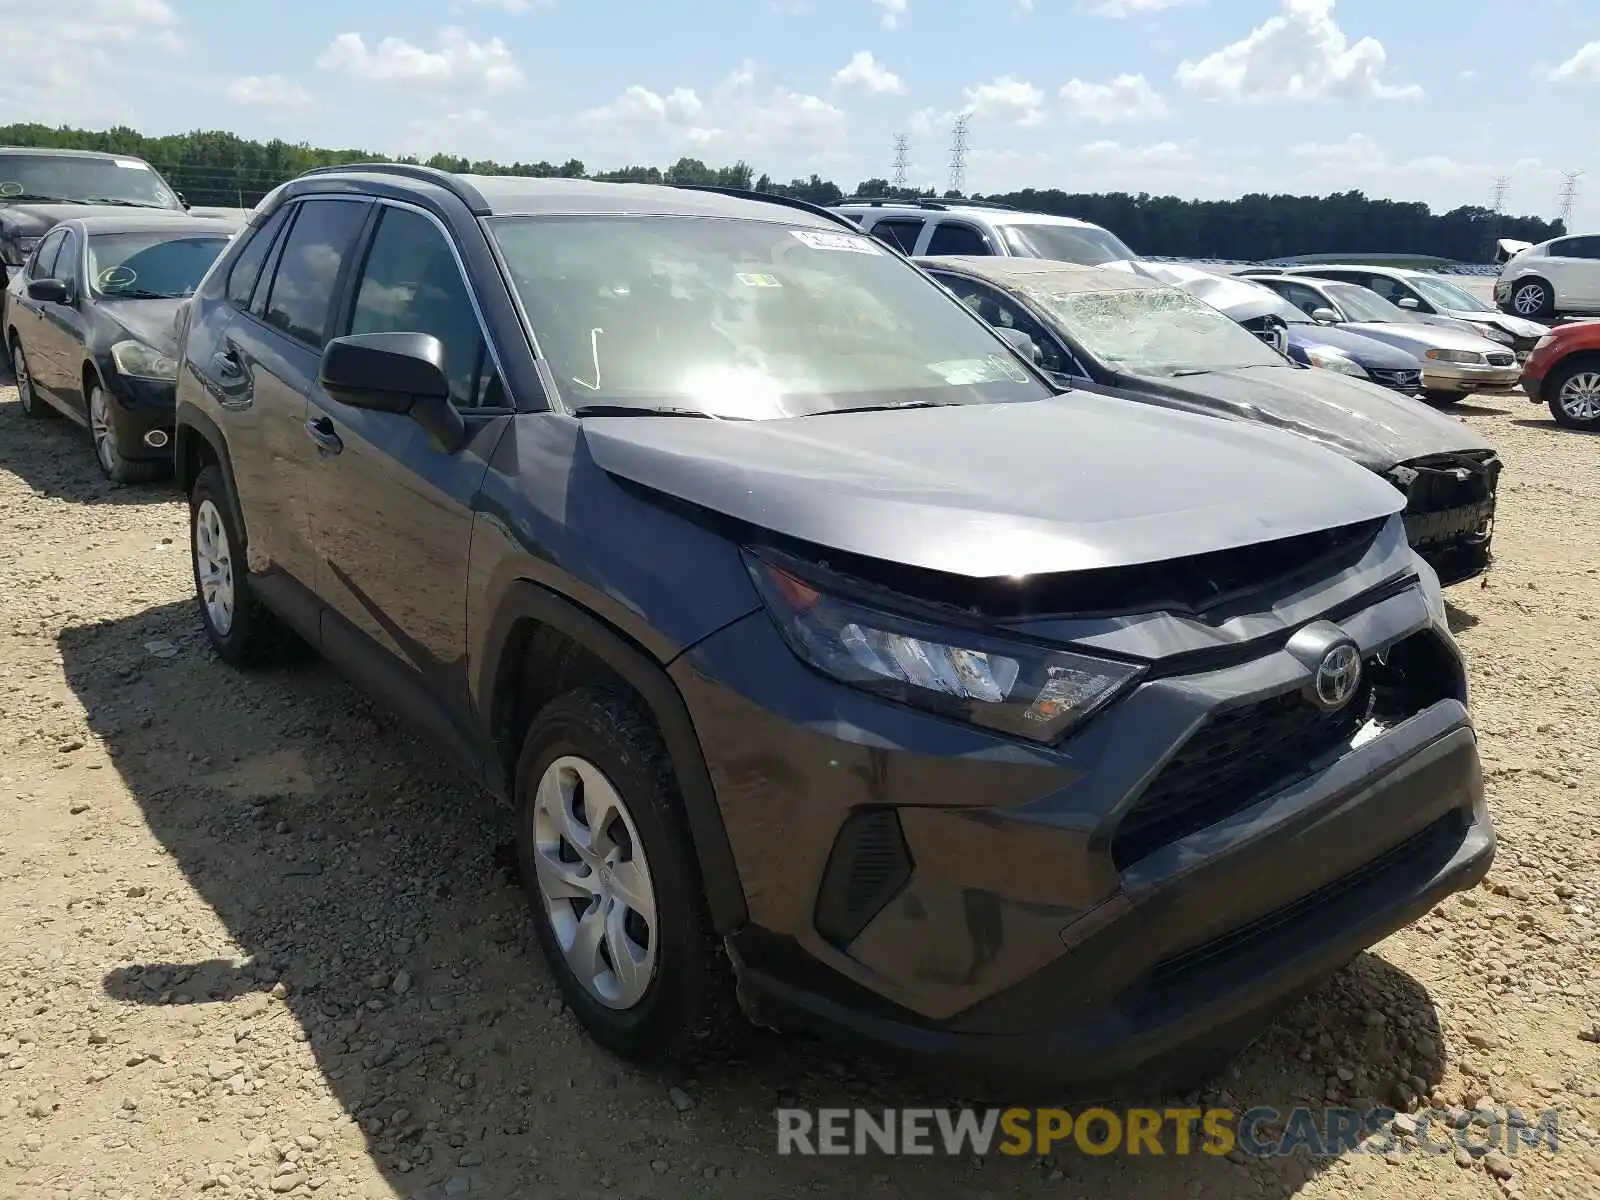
(1230, 762)
(1501, 358)
(1400, 380)
(869, 865)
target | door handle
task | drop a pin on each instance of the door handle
(323, 434)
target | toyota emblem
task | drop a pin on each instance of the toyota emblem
(1338, 676)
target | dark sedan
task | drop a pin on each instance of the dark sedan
(1163, 346)
(91, 324)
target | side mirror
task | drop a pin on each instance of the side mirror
(1022, 344)
(400, 373)
(50, 291)
(1409, 303)
(1324, 316)
(182, 201)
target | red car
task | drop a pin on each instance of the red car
(1564, 372)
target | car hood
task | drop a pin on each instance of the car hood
(983, 491)
(1375, 426)
(153, 322)
(1421, 338)
(1367, 351)
(1515, 326)
(35, 220)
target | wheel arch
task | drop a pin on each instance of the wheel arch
(1522, 281)
(196, 444)
(562, 644)
(1576, 360)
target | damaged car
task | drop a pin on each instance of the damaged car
(833, 667)
(1164, 346)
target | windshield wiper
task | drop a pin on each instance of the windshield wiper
(120, 203)
(137, 294)
(34, 198)
(829, 412)
(638, 410)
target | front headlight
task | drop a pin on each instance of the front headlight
(1470, 357)
(1028, 691)
(138, 361)
(1546, 340)
(1332, 360)
(1494, 333)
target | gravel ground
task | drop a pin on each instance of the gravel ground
(254, 940)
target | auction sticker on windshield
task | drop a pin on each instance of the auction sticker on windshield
(134, 163)
(849, 242)
(758, 280)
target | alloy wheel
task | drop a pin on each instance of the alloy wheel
(213, 567)
(1580, 396)
(1529, 300)
(105, 446)
(594, 882)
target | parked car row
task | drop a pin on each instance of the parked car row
(844, 656)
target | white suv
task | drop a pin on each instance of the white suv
(1558, 276)
(957, 227)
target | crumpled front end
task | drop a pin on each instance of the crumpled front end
(1449, 513)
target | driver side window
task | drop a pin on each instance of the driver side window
(1002, 312)
(65, 268)
(44, 256)
(1304, 298)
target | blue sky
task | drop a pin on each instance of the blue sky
(1414, 99)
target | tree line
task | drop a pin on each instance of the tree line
(221, 169)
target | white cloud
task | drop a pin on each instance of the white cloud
(1006, 101)
(459, 62)
(1159, 156)
(1299, 55)
(893, 10)
(1021, 9)
(734, 120)
(514, 6)
(922, 122)
(84, 62)
(1582, 67)
(1131, 8)
(863, 73)
(268, 91)
(1125, 98)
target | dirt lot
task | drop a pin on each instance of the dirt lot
(254, 940)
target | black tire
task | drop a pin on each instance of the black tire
(253, 635)
(32, 406)
(1538, 296)
(112, 465)
(688, 1009)
(1556, 382)
(1443, 399)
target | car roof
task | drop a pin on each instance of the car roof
(521, 195)
(150, 222)
(55, 152)
(1039, 273)
(995, 216)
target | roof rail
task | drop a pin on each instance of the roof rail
(927, 202)
(770, 198)
(460, 188)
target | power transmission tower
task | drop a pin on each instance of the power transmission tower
(1502, 187)
(902, 146)
(1569, 195)
(958, 154)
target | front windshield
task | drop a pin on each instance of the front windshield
(1158, 331)
(1447, 295)
(149, 266)
(745, 319)
(1364, 304)
(41, 178)
(1065, 243)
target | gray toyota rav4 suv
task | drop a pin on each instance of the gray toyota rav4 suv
(838, 666)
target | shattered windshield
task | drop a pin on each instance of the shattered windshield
(746, 319)
(1083, 244)
(1447, 295)
(1158, 331)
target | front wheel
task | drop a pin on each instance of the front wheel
(103, 428)
(605, 856)
(1574, 393)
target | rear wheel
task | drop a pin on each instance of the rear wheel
(1532, 298)
(32, 406)
(604, 852)
(103, 428)
(1574, 395)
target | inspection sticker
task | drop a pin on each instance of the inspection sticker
(850, 242)
(755, 280)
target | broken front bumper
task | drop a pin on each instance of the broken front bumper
(1449, 514)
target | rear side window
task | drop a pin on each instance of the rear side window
(247, 267)
(900, 234)
(307, 277)
(952, 237)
